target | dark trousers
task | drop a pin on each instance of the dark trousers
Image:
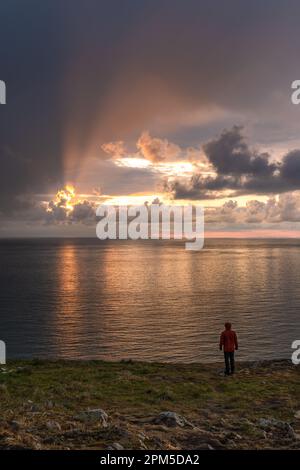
(229, 362)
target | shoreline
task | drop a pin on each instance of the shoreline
(74, 404)
(210, 364)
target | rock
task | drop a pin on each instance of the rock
(171, 419)
(271, 424)
(297, 414)
(93, 416)
(265, 423)
(115, 446)
(53, 426)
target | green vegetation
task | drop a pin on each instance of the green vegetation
(40, 402)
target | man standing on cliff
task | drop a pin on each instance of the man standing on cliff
(229, 343)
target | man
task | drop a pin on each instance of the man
(229, 343)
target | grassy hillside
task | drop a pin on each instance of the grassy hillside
(46, 404)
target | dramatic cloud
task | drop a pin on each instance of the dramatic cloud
(114, 149)
(157, 150)
(81, 74)
(151, 148)
(290, 169)
(239, 170)
(65, 208)
(230, 155)
(284, 209)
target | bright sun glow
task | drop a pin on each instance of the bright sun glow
(178, 168)
(65, 198)
(130, 162)
(134, 199)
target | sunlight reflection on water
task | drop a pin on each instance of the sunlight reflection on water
(148, 300)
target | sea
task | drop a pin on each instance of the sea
(148, 300)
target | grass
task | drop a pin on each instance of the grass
(132, 392)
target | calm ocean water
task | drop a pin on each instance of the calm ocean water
(148, 300)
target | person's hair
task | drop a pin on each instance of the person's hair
(227, 325)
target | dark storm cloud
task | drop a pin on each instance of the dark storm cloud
(230, 154)
(80, 74)
(240, 170)
(290, 169)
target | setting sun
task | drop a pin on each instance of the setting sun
(65, 198)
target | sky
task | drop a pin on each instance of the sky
(149, 100)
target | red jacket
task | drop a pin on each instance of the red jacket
(228, 340)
